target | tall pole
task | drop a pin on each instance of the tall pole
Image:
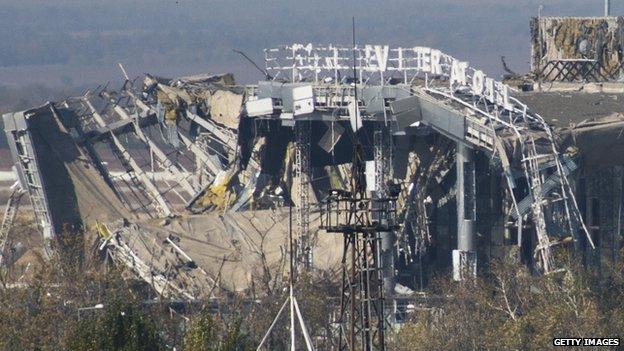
(356, 108)
(290, 242)
(353, 293)
(607, 8)
(294, 306)
(355, 183)
(291, 282)
(362, 285)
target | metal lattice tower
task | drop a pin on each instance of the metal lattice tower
(364, 300)
(303, 244)
(361, 220)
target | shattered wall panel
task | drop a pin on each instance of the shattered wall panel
(225, 107)
(77, 194)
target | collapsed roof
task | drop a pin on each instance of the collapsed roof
(203, 172)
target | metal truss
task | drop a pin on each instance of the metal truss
(362, 301)
(167, 165)
(579, 70)
(360, 220)
(304, 244)
(375, 64)
(121, 252)
(550, 197)
(136, 173)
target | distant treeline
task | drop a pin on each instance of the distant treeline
(178, 32)
(63, 42)
(165, 33)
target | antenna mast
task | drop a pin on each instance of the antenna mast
(361, 220)
(291, 300)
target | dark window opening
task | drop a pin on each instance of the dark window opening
(469, 191)
(595, 212)
(582, 198)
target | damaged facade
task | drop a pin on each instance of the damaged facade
(189, 181)
(577, 49)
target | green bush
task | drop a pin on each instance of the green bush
(121, 327)
(206, 333)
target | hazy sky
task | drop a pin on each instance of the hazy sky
(76, 42)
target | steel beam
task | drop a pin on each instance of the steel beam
(167, 164)
(150, 187)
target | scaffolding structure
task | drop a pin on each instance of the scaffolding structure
(303, 243)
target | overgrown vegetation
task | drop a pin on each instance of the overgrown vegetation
(74, 302)
(120, 327)
(511, 310)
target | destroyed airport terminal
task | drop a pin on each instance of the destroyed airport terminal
(190, 182)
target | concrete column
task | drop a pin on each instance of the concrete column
(607, 8)
(465, 257)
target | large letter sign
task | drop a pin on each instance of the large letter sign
(458, 73)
